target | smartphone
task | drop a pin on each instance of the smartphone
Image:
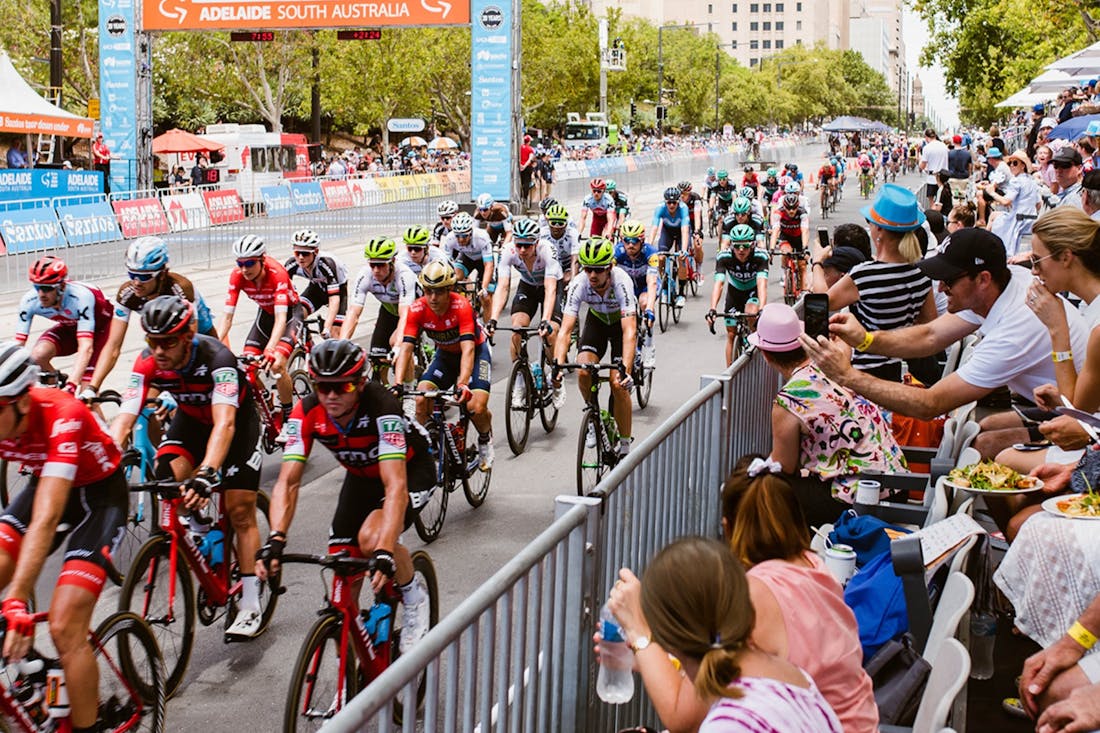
(1032, 445)
(823, 237)
(816, 311)
(1026, 418)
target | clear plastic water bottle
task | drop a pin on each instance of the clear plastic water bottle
(536, 372)
(615, 682)
(983, 635)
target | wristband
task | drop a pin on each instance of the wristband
(866, 342)
(1060, 356)
(1081, 635)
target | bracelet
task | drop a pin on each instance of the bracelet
(1060, 356)
(1081, 635)
(866, 342)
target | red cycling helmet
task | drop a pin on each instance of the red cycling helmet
(598, 184)
(48, 270)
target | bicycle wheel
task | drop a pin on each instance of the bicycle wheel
(268, 600)
(674, 297)
(298, 360)
(590, 466)
(475, 482)
(425, 570)
(13, 479)
(300, 384)
(315, 693)
(132, 690)
(824, 204)
(520, 397)
(790, 287)
(548, 413)
(141, 517)
(692, 282)
(145, 592)
(643, 383)
(429, 520)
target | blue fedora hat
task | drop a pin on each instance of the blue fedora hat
(895, 209)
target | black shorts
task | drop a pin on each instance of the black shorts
(384, 327)
(597, 334)
(359, 496)
(470, 266)
(260, 333)
(529, 298)
(188, 437)
(314, 297)
(445, 366)
(736, 300)
(795, 242)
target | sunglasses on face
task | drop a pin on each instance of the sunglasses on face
(141, 277)
(953, 281)
(247, 263)
(1014, 163)
(335, 387)
(45, 288)
(592, 270)
(303, 252)
(524, 245)
(742, 246)
(378, 265)
(462, 236)
(163, 343)
(446, 218)
(632, 240)
(555, 224)
(414, 249)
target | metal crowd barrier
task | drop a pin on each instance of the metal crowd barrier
(517, 654)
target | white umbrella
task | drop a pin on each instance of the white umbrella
(443, 143)
(1054, 80)
(1025, 98)
(413, 141)
(1085, 61)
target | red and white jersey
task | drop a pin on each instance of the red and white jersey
(457, 324)
(272, 292)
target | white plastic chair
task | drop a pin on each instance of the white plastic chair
(958, 594)
(968, 456)
(947, 679)
(939, 504)
(965, 436)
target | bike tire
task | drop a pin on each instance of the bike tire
(664, 309)
(141, 517)
(12, 480)
(425, 568)
(517, 420)
(300, 384)
(131, 675)
(145, 592)
(268, 599)
(298, 360)
(548, 412)
(790, 288)
(677, 310)
(314, 694)
(643, 384)
(429, 520)
(475, 482)
(590, 465)
(693, 283)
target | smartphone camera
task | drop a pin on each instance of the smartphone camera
(816, 314)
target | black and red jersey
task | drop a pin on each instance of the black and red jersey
(790, 222)
(272, 292)
(210, 377)
(457, 324)
(63, 439)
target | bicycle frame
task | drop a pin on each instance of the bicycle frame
(270, 419)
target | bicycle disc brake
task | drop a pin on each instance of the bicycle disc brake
(207, 613)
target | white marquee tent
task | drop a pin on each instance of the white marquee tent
(23, 111)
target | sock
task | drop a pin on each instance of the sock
(250, 593)
(484, 437)
(286, 407)
(412, 593)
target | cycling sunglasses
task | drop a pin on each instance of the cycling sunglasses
(524, 245)
(632, 240)
(303, 252)
(590, 270)
(741, 245)
(467, 235)
(557, 222)
(163, 342)
(446, 218)
(410, 248)
(335, 387)
(247, 263)
(46, 288)
(141, 277)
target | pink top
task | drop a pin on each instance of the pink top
(822, 637)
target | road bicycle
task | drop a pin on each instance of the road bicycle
(266, 398)
(598, 444)
(714, 222)
(297, 364)
(346, 649)
(457, 461)
(792, 275)
(825, 201)
(743, 327)
(531, 380)
(642, 375)
(159, 586)
(866, 183)
(33, 698)
(671, 286)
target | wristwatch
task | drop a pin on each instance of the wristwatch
(639, 644)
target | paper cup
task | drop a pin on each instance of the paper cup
(867, 492)
(840, 560)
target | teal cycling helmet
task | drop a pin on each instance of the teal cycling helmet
(723, 174)
(741, 205)
(611, 185)
(742, 233)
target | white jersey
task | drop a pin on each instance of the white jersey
(400, 290)
(544, 265)
(477, 247)
(565, 248)
(435, 254)
(617, 302)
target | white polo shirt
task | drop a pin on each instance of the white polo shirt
(1015, 346)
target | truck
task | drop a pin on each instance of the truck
(593, 130)
(254, 158)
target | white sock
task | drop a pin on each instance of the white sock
(250, 593)
(412, 593)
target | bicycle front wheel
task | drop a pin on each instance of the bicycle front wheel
(590, 466)
(548, 412)
(13, 479)
(141, 517)
(429, 520)
(475, 482)
(300, 384)
(790, 286)
(517, 417)
(323, 680)
(424, 571)
(132, 691)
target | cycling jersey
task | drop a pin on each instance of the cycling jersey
(693, 200)
(399, 291)
(210, 377)
(741, 275)
(790, 223)
(435, 254)
(618, 301)
(497, 217)
(83, 306)
(439, 231)
(62, 439)
(599, 208)
(725, 193)
(477, 247)
(128, 301)
(622, 203)
(272, 291)
(637, 268)
(754, 221)
(671, 220)
(751, 181)
(566, 248)
(457, 324)
(825, 173)
(327, 272)
(545, 264)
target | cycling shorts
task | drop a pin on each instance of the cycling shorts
(443, 371)
(384, 327)
(528, 299)
(669, 236)
(314, 297)
(597, 334)
(795, 241)
(471, 267)
(360, 496)
(188, 437)
(260, 333)
(94, 520)
(736, 300)
(496, 235)
(63, 338)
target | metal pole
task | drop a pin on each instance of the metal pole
(716, 67)
(315, 92)
(660, 80)
(603, 66)
(56, 70)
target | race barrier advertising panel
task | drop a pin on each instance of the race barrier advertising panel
(88, 223)
(337, 195)
(141, 217)
(277, 200)
(118, 91)
(224, 206)
(185, 211)
(38, 183)
(29, 230)
(307, 197)
(364, 191)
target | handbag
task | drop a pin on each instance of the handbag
(899, 675)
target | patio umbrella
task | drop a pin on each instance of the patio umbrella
(181, 141)
(413, 141)
(1025, 98)
(443, 143)
(1085, 61)
(847, 124)
(1072, 128)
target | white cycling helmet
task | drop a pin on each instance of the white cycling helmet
(463, 223)
(18, 371)
(484, 201)
(447, 208)
(147, 254)
(306, 239)
(249, 246)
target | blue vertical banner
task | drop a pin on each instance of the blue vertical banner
(118, 90)
(492, 147)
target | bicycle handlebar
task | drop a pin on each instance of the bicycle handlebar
(168, 488)
(733, 315)
(447, 395)
(593, 368)
(341, 562)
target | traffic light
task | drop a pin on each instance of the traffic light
(633, 110)
(660, 112)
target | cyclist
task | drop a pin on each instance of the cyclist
(748, 192)
(278, 318)
(419, 250)
(750, 179)
(741, 269)
(791, 229)
(389, 474)
(709, 183)
(471, 251)
(215, 432)
(768, 188)
(694, 203)
(393, 285)
(612, 319)
(841, 164)
(620, 199)
(671, 227)
(796, 175)
(826, 176)
(495, 218)
(640, 261)
(462, 357)
(82, 314)
(327, 277)
(601, 207)
(741, 213)
(77, 491)
(563, 239)
(446, 210)
(544, 219)
(724, 193)
(147, 266)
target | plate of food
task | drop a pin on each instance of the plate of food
(990, 477)
(1074, 506)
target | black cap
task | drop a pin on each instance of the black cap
(967, 252)
(843, 259)
(1067, 154)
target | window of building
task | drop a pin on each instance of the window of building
(798, 41)
(779, 44)
(798, 25)
(735, 26)
(767, 7)
(735, 8)
(733, 44)
(767, 25)
(754, 44)
(710, 9)
(798, 7)
(754, 26)
(754, 61)
(779, 7)
(767, 44)
(754, 7)
(779, 25)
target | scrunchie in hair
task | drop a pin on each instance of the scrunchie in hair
(763, 465)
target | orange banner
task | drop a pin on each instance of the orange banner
(37, 124)
(182, 15)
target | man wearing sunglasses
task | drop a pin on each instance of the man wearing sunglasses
(471, 251)
(561, 233)
(147, 278)
(389, 476)
(640, 262)
(741, 269)
(82, 314)
(215, 432)
(495, 218)
(418, 250)
(327, 277)
(394, 287)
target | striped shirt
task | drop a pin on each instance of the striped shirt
(891, 295)
(771, 706)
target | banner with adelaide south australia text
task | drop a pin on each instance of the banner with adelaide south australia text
(140, 217)
(30, 230)
(224, 206)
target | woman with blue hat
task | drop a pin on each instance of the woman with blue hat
(889, 291)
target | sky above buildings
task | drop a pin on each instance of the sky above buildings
(936, 97)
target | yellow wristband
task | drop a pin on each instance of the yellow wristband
(866, 342)
(1060, 356)
(1081, 635)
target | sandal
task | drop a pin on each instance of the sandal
(1014, 707)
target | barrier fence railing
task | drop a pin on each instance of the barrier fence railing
(516, 655)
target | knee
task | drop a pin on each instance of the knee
(987, 444)
(67, 632)
(242, 514)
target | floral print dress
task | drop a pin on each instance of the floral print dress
(843, 433)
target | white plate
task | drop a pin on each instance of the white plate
(1051, 505)
(998, 492)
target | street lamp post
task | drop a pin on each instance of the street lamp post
(661, 73)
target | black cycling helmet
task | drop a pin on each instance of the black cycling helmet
(672, 194)
(337, 360)
(166, 315)
(546, 203)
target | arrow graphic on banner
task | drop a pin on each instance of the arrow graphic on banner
(179, 11)
(444, 7)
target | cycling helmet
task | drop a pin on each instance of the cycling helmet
(611, 185)
(632, 228)
(147, 254)
(306, 239)
(748, 192)
(463, 223)
(338, 360)
(165, 315)
(596, 252)
(249, 246)
(525, 229)
(748, 168)
(710, 171)
(18, 371)
(684, 186)
(723, 174)
(742, 233)
(557, 215)
(436, 275)
(49, 270)
(832, 161)
(417, 236)
(790, 200)
(792, 187)
(598, 184)
(380, 249)
(773, 172)
(546, 204)
(794, 168)
(672, 194)
(447, 208)
(485, 201)
(741, 205)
